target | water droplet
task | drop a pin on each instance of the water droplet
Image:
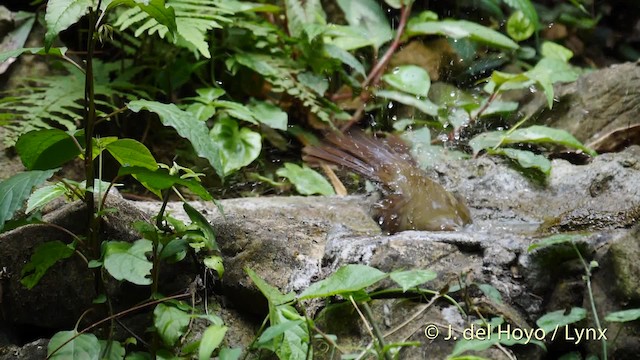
(390, 105)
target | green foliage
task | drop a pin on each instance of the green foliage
(15, 190)
(170, 322)
(348, 279)
(127, 261)
(44, 257)
(459, 29)
(306, 180)
(46, 149)
(80, 347)
(412, 278)
(555, 319)
(57, 100)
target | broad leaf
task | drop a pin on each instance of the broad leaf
(368, 18)
(269, 114)
(215, 263)
(480, 344)
(409, 78)
(16, 189)
(170, 322)
(424, 105)
(61, 14)
(129, 152)
(44, 257)
(306, 180)
(347, 279)
(211, 339)
(127, 261)
(345, 57)
(300, 14)
(160, 180)
(188, 127)
(550, 321)
(525, 159)
(238, 146)
(277, 330)
(46, 149)
(113, 351)
(4, 56)
(552, 50)
(229, 353)
(458, 29)
(45, 195)
(82, 347)
(412, 278)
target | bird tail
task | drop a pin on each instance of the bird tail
(369, 156)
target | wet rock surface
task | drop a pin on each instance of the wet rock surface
(294, 241)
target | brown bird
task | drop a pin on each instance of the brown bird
(412, 200)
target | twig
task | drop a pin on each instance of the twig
(374, 76)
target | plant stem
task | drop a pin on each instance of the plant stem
(90, 118)
(376, 331)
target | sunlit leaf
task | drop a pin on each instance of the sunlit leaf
(411, 79)
(306, 180)
(458, 29)
(127, 261)
(623, 315)
(238, 146)
(211, 338)
(347, 279)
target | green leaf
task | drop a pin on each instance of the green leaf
(554, 240)
(348, 279)
(623, 315)
(491, 292)
(211, 339)
(46, 149)
(552, 50)
(188, 127)
(536, 134)
(160, 180)
(520, 27)
(464, 345)
(170, 322)
(129, 152)
(277, 330)
(550, 321)
(126, 261)
(44, 195)
(412, 278)
(525, 159)
(273, 295)
(203, 224)
(82, 347)
(61, 14)
(527, 9)
(458, 29)
(214, 263)
(238, 146)
(44, 257)
(269, 114)
(549, 71)
(229, 353)
(300, 14)
(424, 105)
(116, 350)
(368, 18)
(306, 180)
(157, 9)
(345, 57)
(4, 56)
(409, 78)
(16, 189)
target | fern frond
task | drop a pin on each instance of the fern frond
(194, 18)
(58, 100)
(282, 74)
